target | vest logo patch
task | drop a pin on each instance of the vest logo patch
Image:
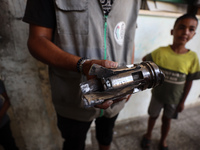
(119, 32)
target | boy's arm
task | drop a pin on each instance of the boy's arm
(147, 57)
(144, 58)
(187, 88)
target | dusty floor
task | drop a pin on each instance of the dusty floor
(184, 133)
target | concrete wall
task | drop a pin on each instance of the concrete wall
(32, 113)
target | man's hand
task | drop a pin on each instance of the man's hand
(105, 63)
(108, 103)
(105, 104)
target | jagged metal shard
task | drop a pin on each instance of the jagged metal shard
(112, 84)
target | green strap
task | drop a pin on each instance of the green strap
(105, 51)
(101, 113)
(105, 30)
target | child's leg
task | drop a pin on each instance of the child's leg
(169, 110)
(151, 123)
(153, 111)
(165, 130)
(146, 139)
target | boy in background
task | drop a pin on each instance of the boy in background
(180, 66)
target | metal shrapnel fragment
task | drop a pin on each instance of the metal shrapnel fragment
(112, 84)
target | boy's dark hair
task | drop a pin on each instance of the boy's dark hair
(185, 16)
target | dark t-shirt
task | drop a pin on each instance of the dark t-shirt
(40, 12)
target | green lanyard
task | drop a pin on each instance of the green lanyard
(101, 113)
(105, 32)
(105, 51)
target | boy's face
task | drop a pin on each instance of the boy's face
(184, 30)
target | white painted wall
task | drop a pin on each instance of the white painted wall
(154, 31)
